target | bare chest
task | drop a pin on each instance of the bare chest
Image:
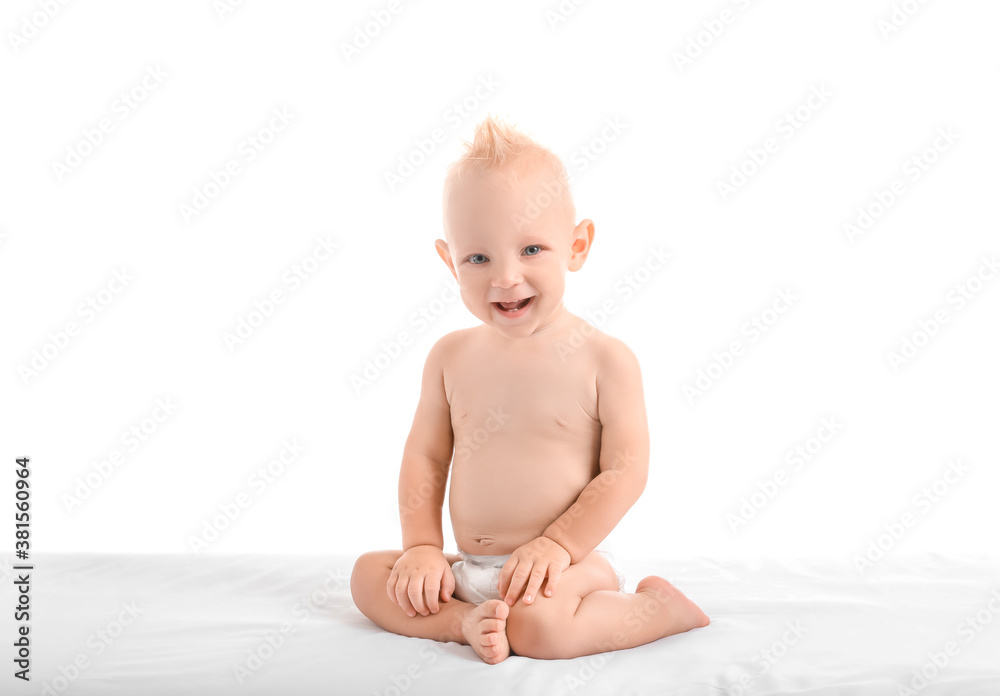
(513, 399)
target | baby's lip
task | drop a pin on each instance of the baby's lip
(516, 299)
(513, 308)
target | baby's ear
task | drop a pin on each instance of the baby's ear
(442, 250)
(583, 239)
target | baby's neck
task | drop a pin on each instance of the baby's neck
(556, 330)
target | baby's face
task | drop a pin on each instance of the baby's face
(510, 262)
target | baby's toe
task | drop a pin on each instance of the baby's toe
(495, 608)
(485, 628)
(492, 625)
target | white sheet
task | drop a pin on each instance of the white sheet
(200, 617)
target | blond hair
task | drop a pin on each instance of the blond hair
(498, 147)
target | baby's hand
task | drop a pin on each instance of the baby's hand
(530, 564)
(419, 576)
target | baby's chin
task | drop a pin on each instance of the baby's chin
(534, 319)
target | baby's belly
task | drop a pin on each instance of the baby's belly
(501, 498)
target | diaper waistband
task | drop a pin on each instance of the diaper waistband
(482, 560)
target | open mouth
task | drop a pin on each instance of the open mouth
(515, 306)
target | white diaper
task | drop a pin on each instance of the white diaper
(477, 578)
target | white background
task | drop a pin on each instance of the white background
(651, 182)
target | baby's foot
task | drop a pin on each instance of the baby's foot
(682, 614)
(485, 627)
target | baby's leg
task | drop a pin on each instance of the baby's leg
(481, 626)
(588, 614)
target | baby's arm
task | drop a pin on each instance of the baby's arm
(624, 459)
(624, 463)
(422, 573)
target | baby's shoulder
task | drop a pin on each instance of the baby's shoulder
(602, 347)
(448, 346)
(611, 355)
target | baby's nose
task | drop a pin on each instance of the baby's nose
(507, 275)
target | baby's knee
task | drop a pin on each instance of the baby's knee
(370, 569)
(538, 629)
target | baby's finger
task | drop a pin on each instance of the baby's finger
(390, 585)
(432, 586)
(448, 585)
(415, 593)
(402, 599)
(555, 572)
(517, 582)
(505, 574)
(535, 582)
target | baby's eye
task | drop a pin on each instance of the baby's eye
(478, 259)
(536, 252)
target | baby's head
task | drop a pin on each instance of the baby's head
(510, 230)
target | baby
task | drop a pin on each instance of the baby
(540, 418)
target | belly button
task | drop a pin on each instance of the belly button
(483, 540)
